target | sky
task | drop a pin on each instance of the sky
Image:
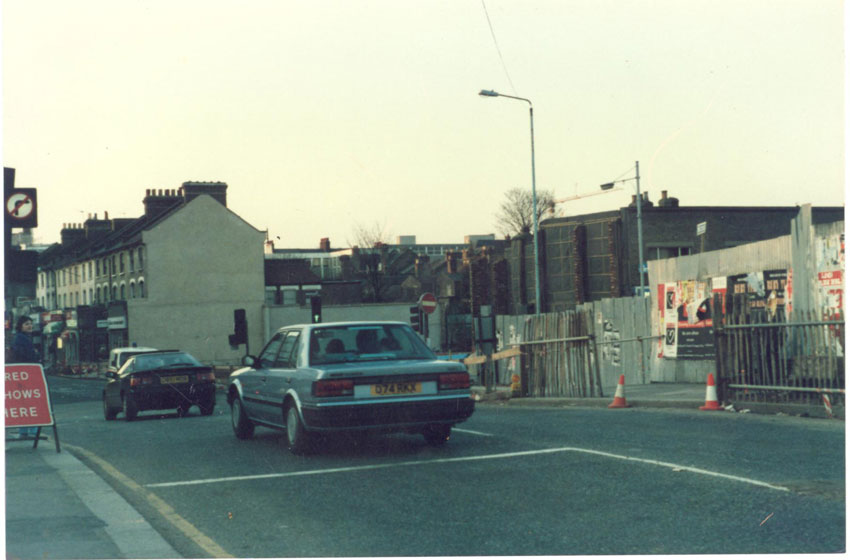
(329, 116)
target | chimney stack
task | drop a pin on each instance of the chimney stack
(325, 244)
(193, 189)
(156, 201)
(452, 262)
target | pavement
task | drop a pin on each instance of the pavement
(57, 507)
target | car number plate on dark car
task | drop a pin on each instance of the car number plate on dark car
(390, 389)
(175, 379)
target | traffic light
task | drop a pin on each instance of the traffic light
(415, 318)
(316, 309)
(240, 328)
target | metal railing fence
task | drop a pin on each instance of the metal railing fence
(796, 359)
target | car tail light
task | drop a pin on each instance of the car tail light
(454, 381)
(333, 388)
(208, 376)
(136, 381)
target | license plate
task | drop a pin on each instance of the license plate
(175, 379)
(401, 388)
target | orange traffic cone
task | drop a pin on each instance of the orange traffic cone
(620, 395)
(711, 395)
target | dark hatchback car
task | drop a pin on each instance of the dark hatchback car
(358, 376)
(158, 381)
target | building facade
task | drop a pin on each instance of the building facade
(171, 278)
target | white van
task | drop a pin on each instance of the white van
(118, 356)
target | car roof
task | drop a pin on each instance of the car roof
(339, 324)
(135, 349)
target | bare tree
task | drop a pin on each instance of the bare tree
(368, 236)
(369, 262)
(516, 211)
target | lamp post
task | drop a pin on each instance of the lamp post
(491, 93)
(639, 204)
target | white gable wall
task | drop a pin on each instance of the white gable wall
(202, 262)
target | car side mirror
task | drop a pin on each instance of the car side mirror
(250, 361)
(111, 375)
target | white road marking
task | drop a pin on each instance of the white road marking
(473, 432)
(675, 467)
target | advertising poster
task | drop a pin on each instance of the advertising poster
(765, 291)
(685, 313)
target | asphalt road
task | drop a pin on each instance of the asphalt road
(511, 481)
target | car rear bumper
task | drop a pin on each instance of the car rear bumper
(388, 415)
(155, 398)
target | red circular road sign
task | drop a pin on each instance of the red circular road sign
(428, 302)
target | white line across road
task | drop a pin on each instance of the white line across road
(496, 456)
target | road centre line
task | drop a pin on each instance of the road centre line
(674, 466)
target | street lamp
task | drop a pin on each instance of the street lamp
(491, 93)
(639, 203)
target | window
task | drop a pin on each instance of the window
(269, 353)
(123, 291)
(141, 259)
(288, 352)
(97, 267)
(121, 263)
(90, 269)
(114, 292)
(132, 260)
(132, 289)
(142, 289)
(84, 273)
(91, 295)
(654, 253)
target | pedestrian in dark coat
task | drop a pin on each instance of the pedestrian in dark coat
(23, 350)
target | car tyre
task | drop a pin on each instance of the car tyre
(297, 437)
(109, 412)
(242, 425)
(183, 409)
(131, 410)
(438, 434)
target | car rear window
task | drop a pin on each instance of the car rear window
(355, 343)
(157, 361)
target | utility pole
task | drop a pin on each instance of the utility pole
(639, 202)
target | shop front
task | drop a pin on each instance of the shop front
(117, 328)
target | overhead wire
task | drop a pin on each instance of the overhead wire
(498, 50)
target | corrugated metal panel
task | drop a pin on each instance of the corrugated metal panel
(763, 255)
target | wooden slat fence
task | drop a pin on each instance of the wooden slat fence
(559, 356)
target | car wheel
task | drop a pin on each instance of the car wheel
(297, 438)
(207, 408)
(108, 412)
(130, 408)
(183, 409)
(437, 434)
(242, 426)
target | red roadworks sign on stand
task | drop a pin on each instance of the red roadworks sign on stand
(27, 400)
